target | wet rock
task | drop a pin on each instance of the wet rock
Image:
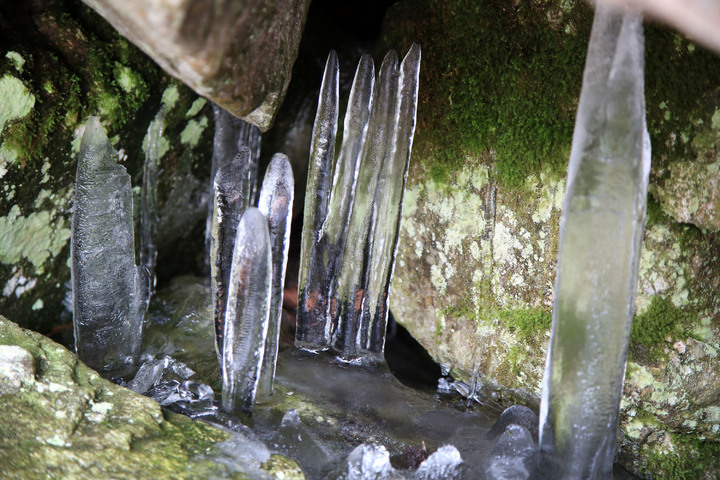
(237, 54)
(60, 418)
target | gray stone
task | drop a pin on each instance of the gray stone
(239, 54)
(16, 368)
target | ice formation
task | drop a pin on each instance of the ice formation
(231, 135)
(599, 250)
(350, 225)
(109, 290)
(276, 204)
(246, 316)
(148, 198)
(231, 198)
(372, 462)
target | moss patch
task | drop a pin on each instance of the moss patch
(660, 320)
(497, 76)
(527, 323)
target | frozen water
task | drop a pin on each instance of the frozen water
(313, 322)
(276, 202)
(231, 135)
(231, 198)
(513, 456)
(388, 204)
(599, 251)
(154, 370)
(109, 290)
(445, 464)
(371, 462)
(246, 315)
(352, 275)
(298, 441)
(148, 198)
(350, 231)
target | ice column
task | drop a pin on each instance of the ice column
(248, 307)
(313, 323)
(231, 198)
(231, 134)
(276, 202)
(148, 198)
(599, 250)
(350, 232)
(109, 290)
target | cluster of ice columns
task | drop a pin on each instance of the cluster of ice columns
(352, 212)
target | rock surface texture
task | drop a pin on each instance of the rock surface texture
(60, 63)
(60, 419)
(478, 249)
(237, 54)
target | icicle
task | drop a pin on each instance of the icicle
(352, 237)
(388, 201)
(313, 324)
(248, 307)
(148, 199)
(276, 201)
(109, 290)
(231, 198)
(351, 279)
(599, 251)
(231, 134)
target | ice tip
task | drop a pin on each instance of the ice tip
(332, 62)
(413, 55)
(243, 156)
(390, 60)
(281, 163)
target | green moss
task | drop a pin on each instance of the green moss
(691, 458)
(527, 323)
(661, 319)
(497, 77)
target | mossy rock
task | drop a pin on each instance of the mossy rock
(62, 420)
(476, 262)
(60, 63)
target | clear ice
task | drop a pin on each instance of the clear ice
(372, 462)
(148, 198)
(313, 324)
(350, 229)
(231, 135)
(247, 312)
(109, 290)
(599, 251)
(276, 203)
(231, 198)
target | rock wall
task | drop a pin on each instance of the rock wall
(60, 63)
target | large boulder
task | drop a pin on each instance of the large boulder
(478, 245)
(239, 54)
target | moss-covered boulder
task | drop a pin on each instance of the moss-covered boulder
(60, 63)
(60, 419)
(476, 262)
